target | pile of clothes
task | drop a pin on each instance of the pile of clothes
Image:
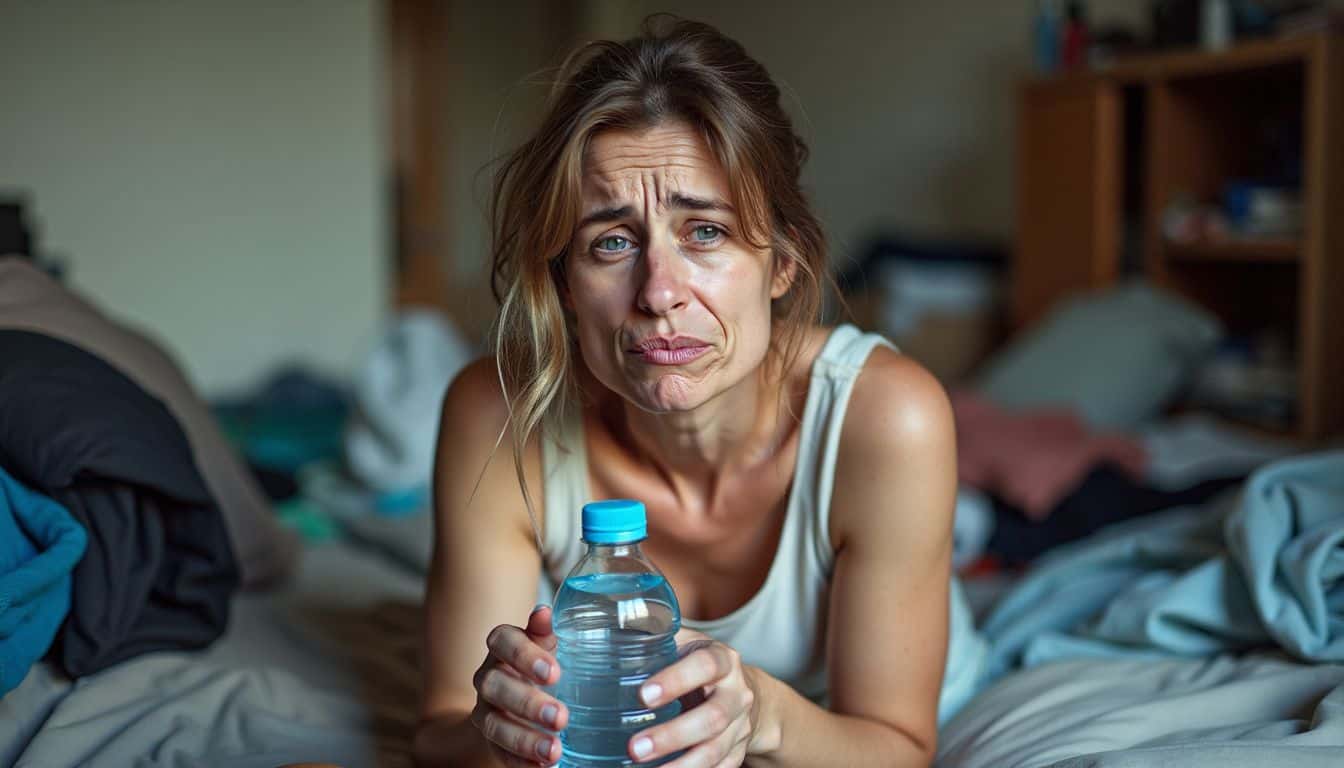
(1033, 479)
(126, 523)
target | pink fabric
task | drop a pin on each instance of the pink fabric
(1032, 459)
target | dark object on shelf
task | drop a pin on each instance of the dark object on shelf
(1111, 43)
(1175, 23)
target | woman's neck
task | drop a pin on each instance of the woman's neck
(694, 450)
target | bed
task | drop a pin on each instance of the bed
(324, 666)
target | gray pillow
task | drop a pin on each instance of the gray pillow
(1117, 357)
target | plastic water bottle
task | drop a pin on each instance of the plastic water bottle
(615, 618)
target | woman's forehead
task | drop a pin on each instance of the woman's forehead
(620, 164)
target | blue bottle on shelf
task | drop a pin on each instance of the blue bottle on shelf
(615, 619)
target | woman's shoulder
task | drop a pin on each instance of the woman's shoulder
(896, 405)
(475, 397)
(897, 451)
(475, 413)
(475, 446)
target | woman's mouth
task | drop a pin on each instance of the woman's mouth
(669, 351)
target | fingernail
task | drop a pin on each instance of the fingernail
(549, 713)
(544, 748)
(539, 606)
(541, 669)
(642, 747)
(651, 692)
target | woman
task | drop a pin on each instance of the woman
(659, 273)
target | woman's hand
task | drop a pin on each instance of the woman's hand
(511, 710)
(719, 717)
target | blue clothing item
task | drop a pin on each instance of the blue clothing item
(40, 543)
(1262, 568)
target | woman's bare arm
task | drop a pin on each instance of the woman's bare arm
(485, 567)
(891, 523)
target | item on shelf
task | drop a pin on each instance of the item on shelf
(1045, 36)
(1187, 221)
(1311, 20)
(1073, 54)
(1215, 24)
(1262, 210)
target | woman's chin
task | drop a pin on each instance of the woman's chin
(671, 393)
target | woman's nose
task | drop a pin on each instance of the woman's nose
(664, 286)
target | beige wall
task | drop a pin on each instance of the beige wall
(211, 170)
(908, 106)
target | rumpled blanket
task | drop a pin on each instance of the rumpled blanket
(1260, 568)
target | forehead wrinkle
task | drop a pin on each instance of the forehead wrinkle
(652, 186)
(622, 170)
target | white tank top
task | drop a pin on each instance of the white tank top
(782, 628)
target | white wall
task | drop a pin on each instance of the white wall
(210, 170)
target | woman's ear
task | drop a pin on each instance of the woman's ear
(786, 271)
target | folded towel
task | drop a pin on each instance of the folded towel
(39, 545)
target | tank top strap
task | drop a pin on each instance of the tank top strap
(833, 374)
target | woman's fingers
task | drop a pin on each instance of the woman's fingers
(539, 627)
(705, 723)
(725, 750)
(700, 668)
(520, 698)
(512, 646)
(514, 737)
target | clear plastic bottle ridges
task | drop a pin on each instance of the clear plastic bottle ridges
(615, 620)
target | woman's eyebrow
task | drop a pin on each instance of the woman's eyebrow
(678, 201)
(688, 202)
(604, 215)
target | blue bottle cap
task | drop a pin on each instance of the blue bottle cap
(616, 521)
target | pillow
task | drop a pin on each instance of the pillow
(1117, 357)
(31, 300)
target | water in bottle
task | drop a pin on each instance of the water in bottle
(615, 618)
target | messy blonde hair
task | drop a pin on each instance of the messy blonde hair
(675, 70)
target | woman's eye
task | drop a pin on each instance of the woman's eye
(613, 243)
(706, 233)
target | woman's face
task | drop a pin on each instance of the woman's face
(672, 304)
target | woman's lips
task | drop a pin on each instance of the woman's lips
(678, 356)
(669, 350)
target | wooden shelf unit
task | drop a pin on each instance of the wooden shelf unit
(1242, 250)
(1102, 154)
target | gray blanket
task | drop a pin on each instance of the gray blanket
(1222, 712)
(322, 670)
